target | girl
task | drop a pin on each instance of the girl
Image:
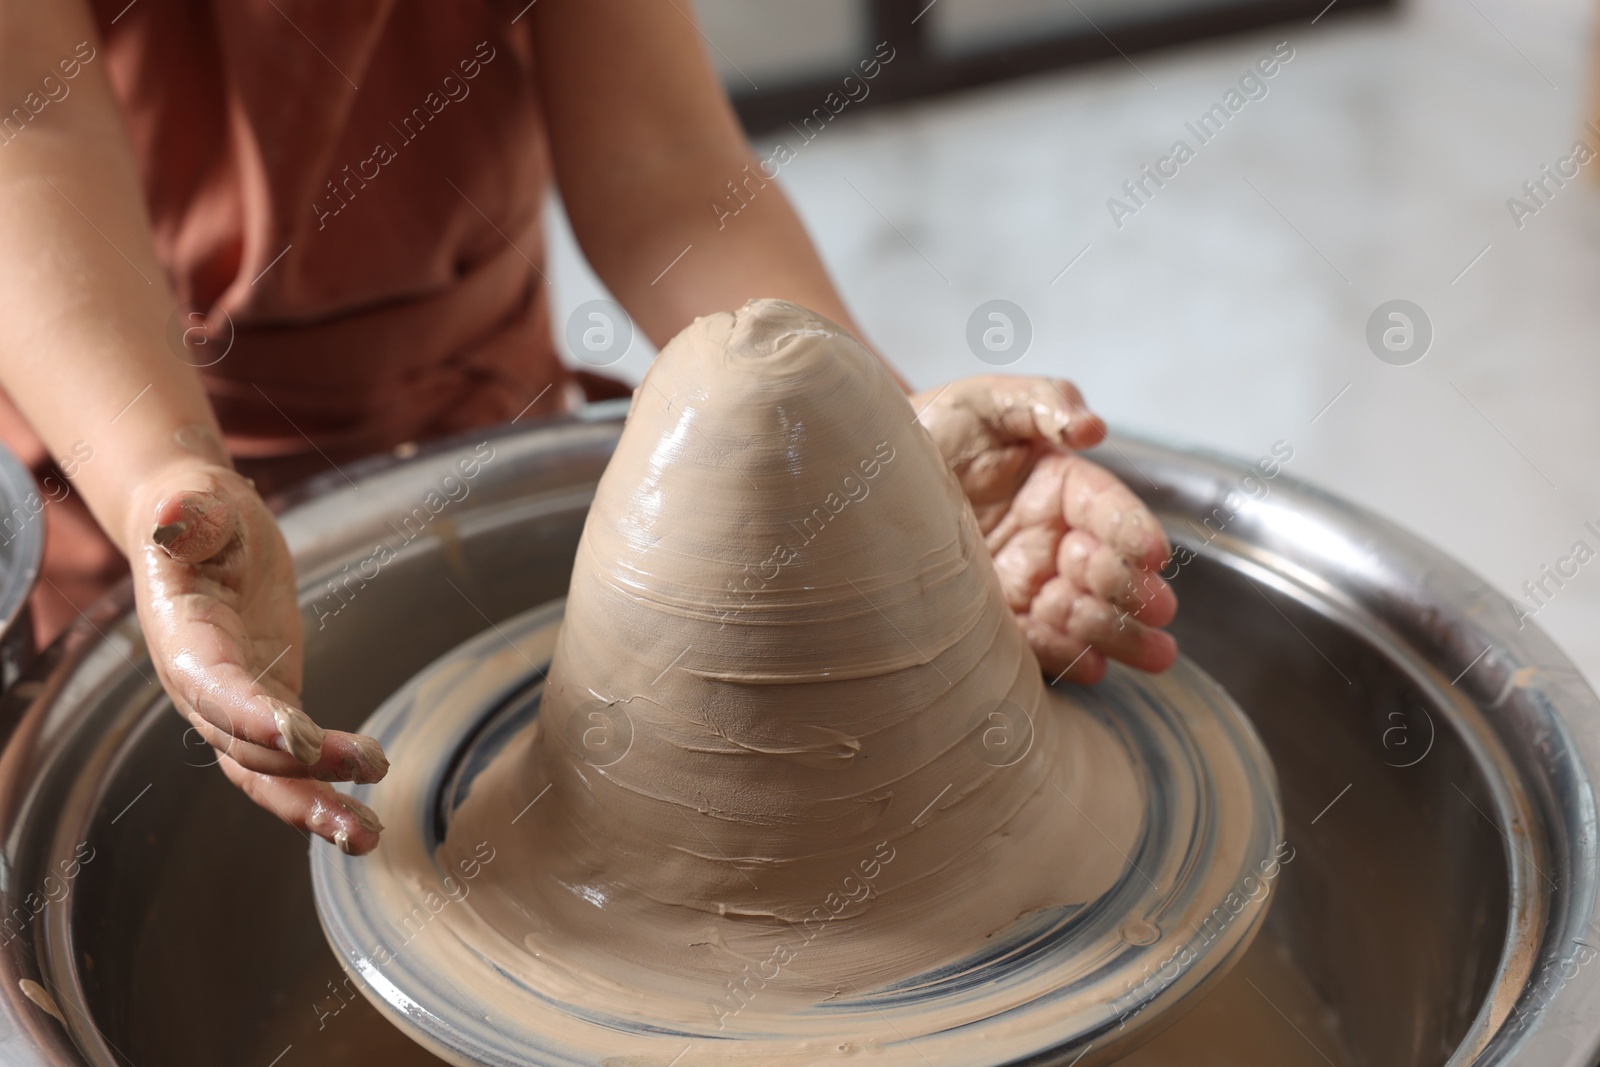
(242, 241)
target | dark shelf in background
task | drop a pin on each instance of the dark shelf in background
(919, 71)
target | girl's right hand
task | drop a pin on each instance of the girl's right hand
(216, 597)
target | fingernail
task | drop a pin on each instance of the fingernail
(366, 818)
(301, 737)
(370, 762)
(164, 535)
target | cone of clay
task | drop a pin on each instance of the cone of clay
(788, 696)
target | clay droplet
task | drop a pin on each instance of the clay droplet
(1139, 932)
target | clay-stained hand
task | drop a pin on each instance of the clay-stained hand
(216, 598)
(1076, 551)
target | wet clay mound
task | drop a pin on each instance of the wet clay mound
(780, 783)
(788, 694)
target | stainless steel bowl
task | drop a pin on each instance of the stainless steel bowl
(1437, 767)
(22, 509)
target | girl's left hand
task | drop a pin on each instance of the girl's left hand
(1076, 551)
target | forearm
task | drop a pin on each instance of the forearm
(679, 243)
(83, 348)
(645, 145)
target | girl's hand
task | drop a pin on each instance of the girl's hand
(216, 598)
(1076, 551)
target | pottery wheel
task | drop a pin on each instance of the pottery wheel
(1080, 984)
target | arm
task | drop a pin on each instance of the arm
(83, 353)
(87, 300)
(644, 143)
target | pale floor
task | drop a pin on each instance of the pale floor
(1231, 309)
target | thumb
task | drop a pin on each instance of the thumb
(193, 525)
(1082, 428)
(1045, 409)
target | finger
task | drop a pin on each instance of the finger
(1089, 565)
(1024, 563)
(311, 806)
(206, 675)
(1084, 429)
(205, 672)
(1063, 657)
(1077, 556)
(1056, 602)
(263, 721)
(991, 477)
(192, 526)
(345, 757)
(1151, 600)
(1066, 608)
(1120, 636)
(1043, 408)
(225, 695)
(1094, 500)
(1034, 503)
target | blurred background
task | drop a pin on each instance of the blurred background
(1233, 305)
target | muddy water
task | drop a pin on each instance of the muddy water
(1262, 1012)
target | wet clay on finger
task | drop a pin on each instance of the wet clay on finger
(793, 745)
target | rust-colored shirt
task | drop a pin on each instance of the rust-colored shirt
(350, 194)
(347, 200)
